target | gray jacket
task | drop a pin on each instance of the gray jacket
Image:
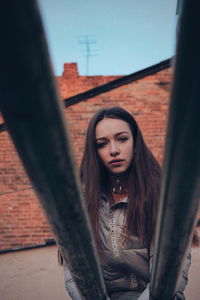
(125, 266)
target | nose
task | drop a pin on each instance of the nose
(114, 149)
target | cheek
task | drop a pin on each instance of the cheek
(101, 155)
(130, 151)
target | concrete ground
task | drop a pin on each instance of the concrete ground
(32, 275)
(36, 275)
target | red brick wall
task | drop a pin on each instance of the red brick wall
(22, 221)
(147, 99)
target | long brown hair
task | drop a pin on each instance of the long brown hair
(144, 180)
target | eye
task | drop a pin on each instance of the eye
(100, 145)
(122, 139)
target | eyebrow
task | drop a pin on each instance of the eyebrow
(116, 135)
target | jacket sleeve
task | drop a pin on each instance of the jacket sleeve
(181, 283)
(183, 279)
(70, 284)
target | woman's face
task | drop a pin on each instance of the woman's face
(114, 142)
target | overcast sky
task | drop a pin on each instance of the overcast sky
(123, 36)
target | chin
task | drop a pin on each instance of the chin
(119, 172)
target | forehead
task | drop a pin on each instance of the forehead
(110, 126)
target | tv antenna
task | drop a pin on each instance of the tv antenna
(87, 41)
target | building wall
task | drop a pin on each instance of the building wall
(22, 221)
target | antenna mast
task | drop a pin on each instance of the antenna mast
(87, 40)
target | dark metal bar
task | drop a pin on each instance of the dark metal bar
(117, 83)
(3, 127)
(179, 7)
(180, 192)
(29, 105)
(111, 85)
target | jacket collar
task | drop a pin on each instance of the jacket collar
(123, 201)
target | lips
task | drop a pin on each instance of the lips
(115, 161)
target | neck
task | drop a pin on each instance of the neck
(119, 183)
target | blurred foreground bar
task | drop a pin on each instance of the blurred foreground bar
(30, 107)
(180, 192)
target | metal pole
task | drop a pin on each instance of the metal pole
(29, 104)
(180, 192)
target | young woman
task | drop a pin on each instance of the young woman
(121, 180)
